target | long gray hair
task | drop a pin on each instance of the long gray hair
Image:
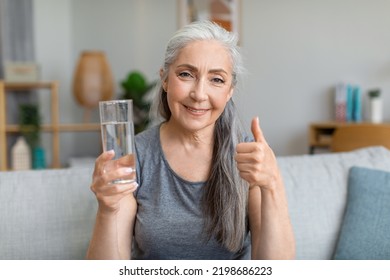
(225, 196)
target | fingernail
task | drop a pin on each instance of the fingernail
(136, 184)
(129, 170)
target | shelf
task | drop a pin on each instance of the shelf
(52, 127)
(79, 127)
(320, 134)
(28, 86)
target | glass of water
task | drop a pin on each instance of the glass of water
(116, 119)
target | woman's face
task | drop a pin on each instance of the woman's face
(199, 85)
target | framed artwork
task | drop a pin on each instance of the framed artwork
(224, 12)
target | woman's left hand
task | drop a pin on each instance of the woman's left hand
(256, 161)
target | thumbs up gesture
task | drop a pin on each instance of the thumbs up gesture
(256, 161)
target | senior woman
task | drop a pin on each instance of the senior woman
(202, 190)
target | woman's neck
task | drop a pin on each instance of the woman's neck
(189, 154)
(191, 139)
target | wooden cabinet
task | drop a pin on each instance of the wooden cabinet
(321, 134)
(54, 127)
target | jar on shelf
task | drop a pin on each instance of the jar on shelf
(375, 106)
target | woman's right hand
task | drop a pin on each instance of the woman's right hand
(106, 171)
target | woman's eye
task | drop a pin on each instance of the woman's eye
(217, 80)
(185, 75)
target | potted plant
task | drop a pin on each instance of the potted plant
(136, 87)
(30, 127)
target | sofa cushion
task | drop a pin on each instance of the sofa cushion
(46, 214)
(365, 233)
(316, 187)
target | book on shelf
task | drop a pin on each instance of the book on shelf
(348, 103)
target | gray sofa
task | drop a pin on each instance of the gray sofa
(49, 214)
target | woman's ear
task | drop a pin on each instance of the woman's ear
(161, 73)
(230, 93)
(163, 82)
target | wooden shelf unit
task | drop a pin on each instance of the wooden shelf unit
(54, 127)
(320, 134)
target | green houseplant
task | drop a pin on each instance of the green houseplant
(30, 124)
(30, 128)
(135, 87)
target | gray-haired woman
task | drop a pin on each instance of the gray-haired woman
(202, 191)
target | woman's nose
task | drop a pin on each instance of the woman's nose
(199, 91)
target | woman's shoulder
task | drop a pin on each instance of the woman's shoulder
(149, 132)
(148, 138)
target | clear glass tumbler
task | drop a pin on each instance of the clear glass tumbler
(117, 127)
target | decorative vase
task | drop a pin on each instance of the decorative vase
(376, 106)
(21, 155)
(376, 115)
(39, 161)
(92, 80)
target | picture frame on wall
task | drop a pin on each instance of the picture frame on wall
(224, 12)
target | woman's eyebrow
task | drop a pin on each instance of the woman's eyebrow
(192, 67)
(219, 70)
(186, 65)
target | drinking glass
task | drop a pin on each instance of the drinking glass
(116, 119)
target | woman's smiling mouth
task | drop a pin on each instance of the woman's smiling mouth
(196, 110)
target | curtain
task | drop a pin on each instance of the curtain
(16, 44)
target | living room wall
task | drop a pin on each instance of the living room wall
(295, 53)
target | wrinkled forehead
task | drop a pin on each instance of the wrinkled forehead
(205, 53)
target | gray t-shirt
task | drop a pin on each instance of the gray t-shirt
(169, 222)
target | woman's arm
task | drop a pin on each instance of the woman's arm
(271, 230)
(113, 230)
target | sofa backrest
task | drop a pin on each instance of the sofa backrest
(49, 214)
(46, 214)
(316, 187)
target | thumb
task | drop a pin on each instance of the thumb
(256, 130)
(108, 155)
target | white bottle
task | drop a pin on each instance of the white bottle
(21, 155)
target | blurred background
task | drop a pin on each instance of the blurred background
(296, 52)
